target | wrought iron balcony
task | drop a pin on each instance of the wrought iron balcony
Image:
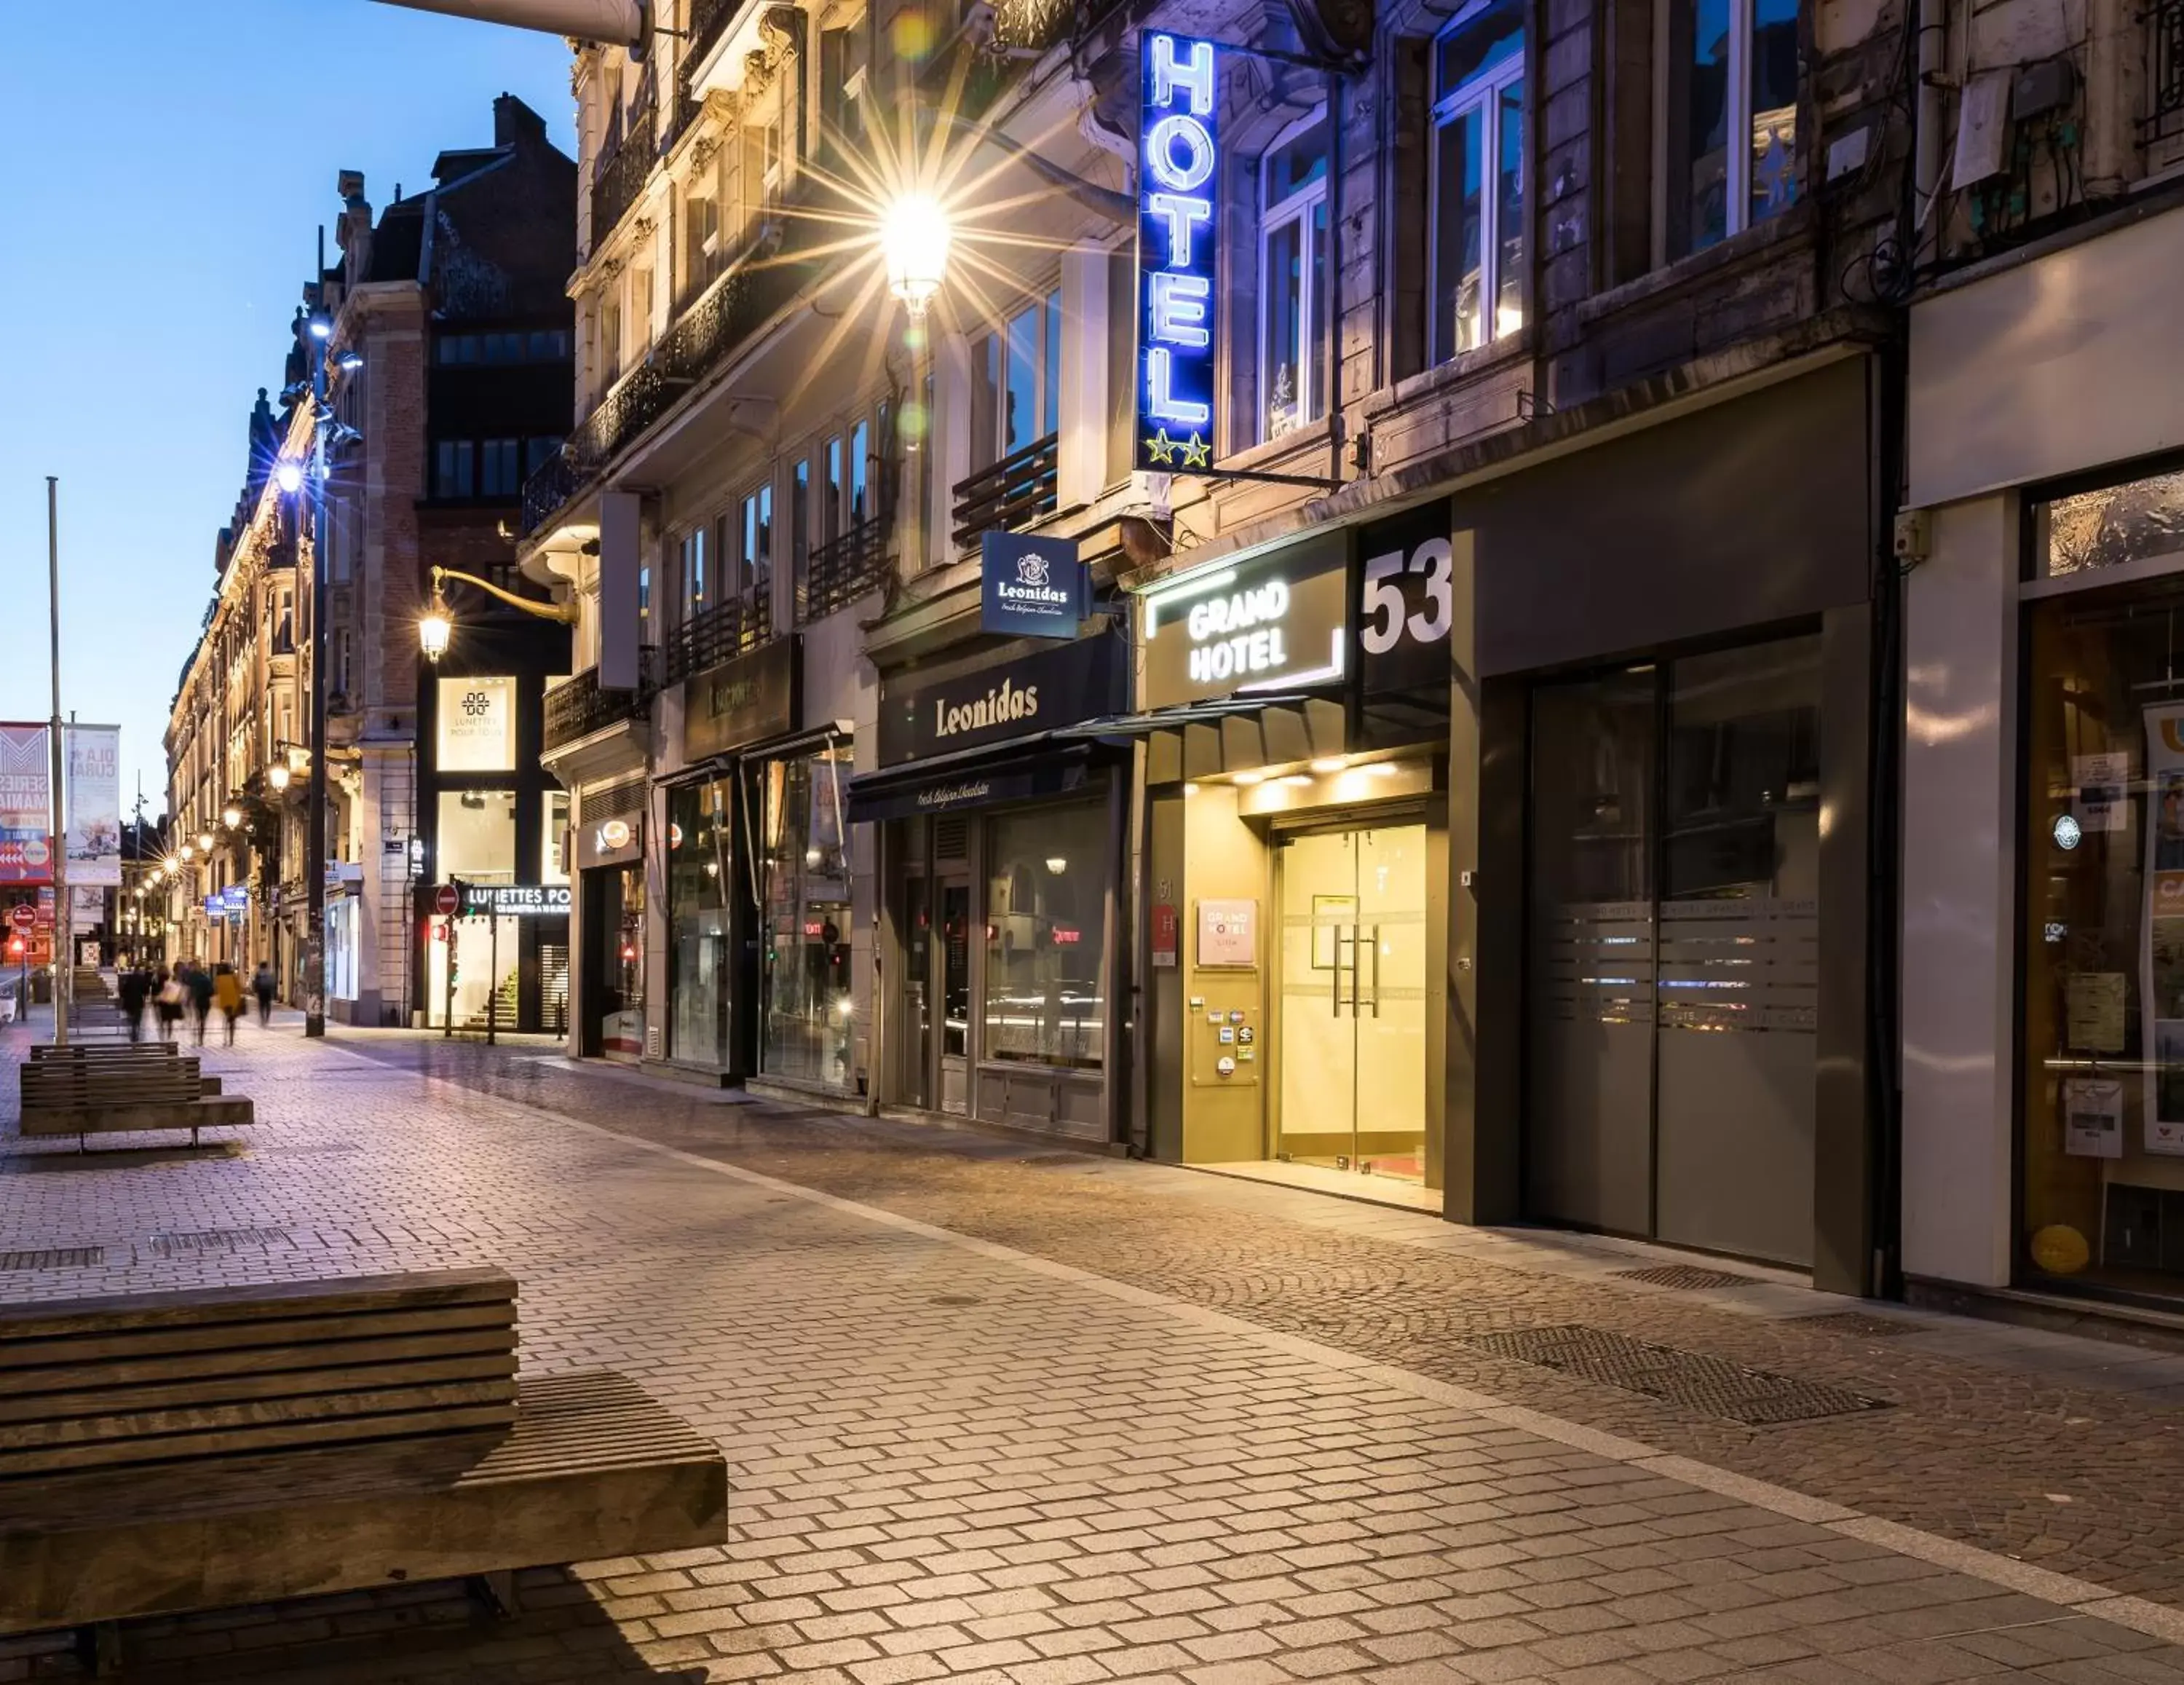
(619, 177)
(1016, 492)
(579, 707)
(708, 21)
(723, 631)
(758, 284)
(846, 568)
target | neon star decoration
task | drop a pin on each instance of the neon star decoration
(1179, 208)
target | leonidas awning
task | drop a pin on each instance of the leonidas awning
(1020, 770)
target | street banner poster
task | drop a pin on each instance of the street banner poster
(86, 906)
(26, 855)
(94, 804)
(2161, 949)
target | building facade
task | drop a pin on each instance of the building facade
(2043, 1126)
(449, 358)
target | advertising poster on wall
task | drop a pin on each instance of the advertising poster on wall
(25, 806)
(94, 804)
(2161, 983)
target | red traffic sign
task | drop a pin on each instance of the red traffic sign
(445, 900)
(24, 916)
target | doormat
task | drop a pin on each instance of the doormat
(1691, 1381)
(53, 1257)
(203, 1241)
(1685, 1278)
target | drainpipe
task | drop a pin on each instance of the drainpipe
(1926, 152)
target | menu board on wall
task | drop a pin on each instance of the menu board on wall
(2161, 949)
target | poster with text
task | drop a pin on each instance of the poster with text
(94, 804)
(27, 854)
(2161, 947)
(2102, 785)
(2093, 1116)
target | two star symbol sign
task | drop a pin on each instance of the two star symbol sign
(1196, 452)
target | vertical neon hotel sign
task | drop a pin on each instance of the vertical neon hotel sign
(1179, 201)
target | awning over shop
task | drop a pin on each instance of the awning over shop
(1026, 768)
(1234, 734)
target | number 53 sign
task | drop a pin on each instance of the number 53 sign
(1406, 599)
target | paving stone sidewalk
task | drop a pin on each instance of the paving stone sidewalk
(1014, 1416)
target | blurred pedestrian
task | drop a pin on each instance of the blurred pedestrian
(262, 983)
(134, 987)
(227, 995)
(198, 980)
(169, 995)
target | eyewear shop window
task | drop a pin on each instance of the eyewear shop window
(2103, 1076)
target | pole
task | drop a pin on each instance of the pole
(492, 977)
(315, 831)
(63, 976)
(447, 984)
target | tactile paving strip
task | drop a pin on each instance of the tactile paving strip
(1711, 1385)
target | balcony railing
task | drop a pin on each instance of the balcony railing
(619, 177)
(1017, 491)
(723, 631)
(845, 569)
(579, 707)
(756, 286)
(709, 21)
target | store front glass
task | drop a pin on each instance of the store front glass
(1045, 937)
(1350, 1036)
(700, 841)
(1674, 950)
(482, 989)
(613, 918)
(807, 1020)
(2102, 1134)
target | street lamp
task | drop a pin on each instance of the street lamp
(230, 816)
(436, 627)
(276, 775)
(205, 841)
(289, 474)
(914, 240)
(187, 851)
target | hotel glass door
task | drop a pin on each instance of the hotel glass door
(1352, 1026)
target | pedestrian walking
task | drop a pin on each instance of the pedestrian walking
(169, 995)
(227, 995)
(134, 986)
(199, 984)
(262, 983)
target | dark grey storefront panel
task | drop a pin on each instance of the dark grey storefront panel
(1749, 514)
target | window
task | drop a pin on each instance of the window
(644, 592)
(807, 1022)
(1045, 935)
(1016, 383)
(757, 527)
(1293, 281)
(701, 258)
(691, 559)
(539, 452)
(552, 833)
(477, 836)
(1479, 179)
(500, 473)
(860, 473)
(1732, 73)
(830, 507)
(800, 528)
(549, 345)
(455, 470)
(701, 867)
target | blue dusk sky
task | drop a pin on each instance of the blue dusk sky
(171, 165)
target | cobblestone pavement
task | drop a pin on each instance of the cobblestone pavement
(999, 1414)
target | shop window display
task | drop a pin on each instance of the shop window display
(1045, 937)
(808, 1020)
(700, 839)
(2103, 1076)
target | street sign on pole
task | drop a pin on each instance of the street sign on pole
(24, 916)
(445, 900)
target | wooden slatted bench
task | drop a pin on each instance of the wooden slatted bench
(109, 1053)
(121, 1089)
(172, 1451)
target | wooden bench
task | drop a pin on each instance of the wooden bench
(104, 1053)
(172, 1451)
(121, 1089)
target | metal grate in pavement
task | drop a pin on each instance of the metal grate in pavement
(53, 1257)
(200, 1243)
(1857, 1322)
(1692, 1380)
(1685, 1278)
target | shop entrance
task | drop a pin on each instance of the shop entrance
(1350, 1032)
(1673, 967)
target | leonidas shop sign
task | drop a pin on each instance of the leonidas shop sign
(1278, 621)
(744, 700)
(1060, 686)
